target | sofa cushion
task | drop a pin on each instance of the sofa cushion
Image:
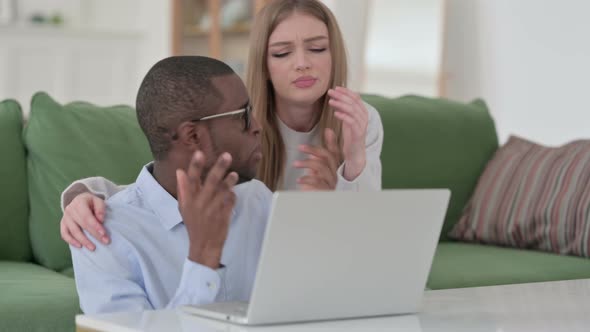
(36, 299)
(435, 143)
(532, 196)
(69, 142)
(14, 225)
(459, 265)
(68, 272)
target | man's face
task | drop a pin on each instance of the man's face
(229, 133)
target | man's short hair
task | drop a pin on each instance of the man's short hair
(177, 89)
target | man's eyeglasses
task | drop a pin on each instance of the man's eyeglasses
(246, 111)
(247, 116)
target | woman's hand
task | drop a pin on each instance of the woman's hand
(350, 109)
(86, 211)
(322, 164)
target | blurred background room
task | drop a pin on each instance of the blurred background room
(453, 81)
(527, 59)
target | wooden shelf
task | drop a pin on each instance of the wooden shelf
(48, 30)
(185, 32)
(195, 31)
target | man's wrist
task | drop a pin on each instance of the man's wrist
(208, 258)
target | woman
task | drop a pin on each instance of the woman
(317, 134)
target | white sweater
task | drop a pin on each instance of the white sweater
(369, 179)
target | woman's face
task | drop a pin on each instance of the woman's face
(299, 59)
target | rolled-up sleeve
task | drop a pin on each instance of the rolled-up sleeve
(98, 186)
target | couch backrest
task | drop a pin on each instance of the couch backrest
(428, 143)
(435, 143)
(14, 229)
(70, 142)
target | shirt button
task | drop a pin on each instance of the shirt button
(211, 285)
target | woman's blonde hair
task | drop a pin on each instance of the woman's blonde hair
(260, 87)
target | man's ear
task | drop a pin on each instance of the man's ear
(189, 134)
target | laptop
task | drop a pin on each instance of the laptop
(338, 255)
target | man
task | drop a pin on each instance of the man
(195, 114)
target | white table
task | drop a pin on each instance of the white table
(538, 307)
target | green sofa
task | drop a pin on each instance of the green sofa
(429, 143)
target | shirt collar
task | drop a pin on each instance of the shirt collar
(158, 199)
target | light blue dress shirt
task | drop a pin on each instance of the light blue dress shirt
(146, 266)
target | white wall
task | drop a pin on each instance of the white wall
(404, 47)
(100, 54)
(352, 20)
(393, 46)
(530, 60)
(67, 64)
(154, 22)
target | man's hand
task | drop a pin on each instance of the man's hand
(321, 165)
(206, 208)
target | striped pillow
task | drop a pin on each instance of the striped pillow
(531, 196)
